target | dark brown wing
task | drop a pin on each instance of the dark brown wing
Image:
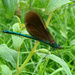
(35, 26)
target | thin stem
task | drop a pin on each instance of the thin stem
(28, 58)
(18, 21)
(49, 18)
(18, 61)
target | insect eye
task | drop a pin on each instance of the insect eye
(59, 46)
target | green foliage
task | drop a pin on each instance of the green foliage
(5, 70)
(58, 60)
(16, 27)
(10, 6)
(53, 5)
(61, 27)
(72, 42)
(9, 55)
(15, 38)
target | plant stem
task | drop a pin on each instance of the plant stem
(17, 63)
(28, 58)
(18, 21)
(49, 18)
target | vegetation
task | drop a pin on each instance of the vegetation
(24, 56)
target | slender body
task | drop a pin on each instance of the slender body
(31, 37)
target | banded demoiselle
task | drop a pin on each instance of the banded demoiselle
(36, 27)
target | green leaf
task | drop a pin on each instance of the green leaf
(72, 42)
(17, 41)
(23, 4)
(10, 7)
(9, 55)
(58, 60)
(24, 32)
(56, 71)
(54, 4)
(16, 27)
(5, 70)
(63, 34)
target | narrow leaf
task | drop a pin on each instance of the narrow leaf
(58, 60)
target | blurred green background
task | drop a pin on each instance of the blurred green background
(61, 26)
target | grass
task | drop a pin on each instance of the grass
(62, 28)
